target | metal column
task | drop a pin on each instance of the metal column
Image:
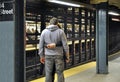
(12, 41)
(101, 39)
(20, 38)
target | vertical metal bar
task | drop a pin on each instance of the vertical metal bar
(90, 25)
(65, 26)
(43, 17)
(94, 35)
(65, 20)
(73, 36)
(79, 51)
(43, 25)
(86, 22)
(73, 22)
(19, 18)
(80, 25)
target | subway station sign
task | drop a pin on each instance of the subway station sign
(6, 10)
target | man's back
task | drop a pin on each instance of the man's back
(52, 34)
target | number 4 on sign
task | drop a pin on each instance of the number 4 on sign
(2, 5)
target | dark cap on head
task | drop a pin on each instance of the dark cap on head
(54, 21)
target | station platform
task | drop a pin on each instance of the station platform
(87, 73)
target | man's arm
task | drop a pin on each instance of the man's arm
(41, 48)
(65, 46)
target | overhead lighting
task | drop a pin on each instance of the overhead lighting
(64, 3)
(114, 19)
(113, 13)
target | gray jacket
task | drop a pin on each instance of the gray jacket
(52, 34)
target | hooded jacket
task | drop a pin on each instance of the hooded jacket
(52, 34)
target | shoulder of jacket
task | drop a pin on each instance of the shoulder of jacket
(45, 30)
(60, 30)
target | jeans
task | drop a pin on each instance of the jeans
(59, 66)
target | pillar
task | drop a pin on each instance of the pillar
(12, 41)
(101, 39)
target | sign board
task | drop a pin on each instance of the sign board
(6, 10)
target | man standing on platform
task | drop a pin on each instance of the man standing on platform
(53, 41)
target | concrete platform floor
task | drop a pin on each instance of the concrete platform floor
(87, 72)
(91, 76)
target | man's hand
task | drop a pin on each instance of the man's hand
(42, 60)
(67, 60)
(67, 57)
(51, 45)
